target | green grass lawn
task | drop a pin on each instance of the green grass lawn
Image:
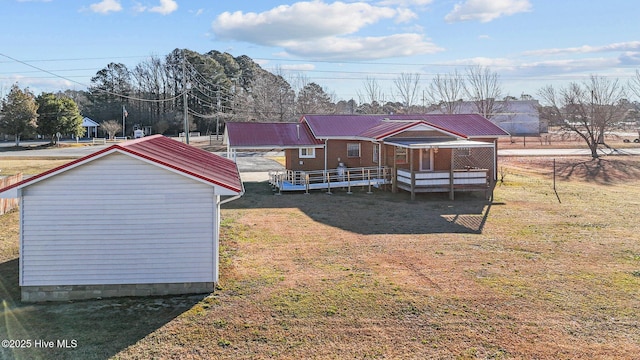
(534, 274)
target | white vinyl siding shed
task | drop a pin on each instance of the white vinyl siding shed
(142, 225)
(134, 219)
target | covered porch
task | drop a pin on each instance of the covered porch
(461, 166)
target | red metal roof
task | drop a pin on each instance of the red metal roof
(343, 126)
(173, 154)
(470, 125)
(332, 126)
(256, 135)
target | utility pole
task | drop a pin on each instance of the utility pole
(185, 88)
(124, 115)
(218, 114)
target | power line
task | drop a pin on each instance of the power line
(85, 85)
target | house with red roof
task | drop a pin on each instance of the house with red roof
(151, 229)
(415, 153)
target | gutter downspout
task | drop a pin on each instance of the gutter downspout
(234, 197)
(325, 156)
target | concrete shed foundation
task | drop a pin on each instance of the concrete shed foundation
(84, 292)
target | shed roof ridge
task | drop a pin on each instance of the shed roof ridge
(130, 149)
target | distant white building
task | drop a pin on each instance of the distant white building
(517, 117)
(90, 126)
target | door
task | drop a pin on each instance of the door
(426, 160)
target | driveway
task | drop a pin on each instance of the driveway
(253, 166)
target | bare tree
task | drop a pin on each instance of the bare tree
(588, 109)
(112, 127)
(313, 99)
(408, 88)
(372, 95)
(270, 99)
(634, 84)
(484, 90)
(446, 92)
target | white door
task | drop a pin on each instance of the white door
(426, 160)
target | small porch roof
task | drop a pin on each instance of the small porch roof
(438, 143)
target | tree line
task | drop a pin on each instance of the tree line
(218, 87)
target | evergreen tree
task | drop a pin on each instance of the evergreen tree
(58, 114)
(19, 113)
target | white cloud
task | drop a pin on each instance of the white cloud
(486, 10)
(298, 67)
(586, 49)
(336, 48)
(321, 30)
(405, 15)
(106, 6)
(166, 7)
(302, 20)
(484, 61)
(404, 3)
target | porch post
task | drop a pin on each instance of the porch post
(413, 175)
(394, 184)
(451, 174)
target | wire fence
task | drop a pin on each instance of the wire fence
(9, 204)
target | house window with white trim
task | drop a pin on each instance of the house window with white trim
(307, 153)
(353, 150)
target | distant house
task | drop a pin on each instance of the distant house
(518, 117)
(416, 153)
(91, 127)
(137, 218)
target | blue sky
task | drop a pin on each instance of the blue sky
(337, 44)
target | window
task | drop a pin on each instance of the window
(307, 153)
(401, 155)
(353, 150)
(463, 152)
(376, 152)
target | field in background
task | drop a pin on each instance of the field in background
(537, 273)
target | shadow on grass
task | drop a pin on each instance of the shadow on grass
(95, 329)
(379, 213)
(602, 171)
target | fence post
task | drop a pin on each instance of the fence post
(349, 182)
(369, 179)
(328, 182)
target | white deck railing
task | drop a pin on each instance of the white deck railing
(290, 180)
(440, 181)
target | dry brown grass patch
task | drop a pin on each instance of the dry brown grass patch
(381, 276)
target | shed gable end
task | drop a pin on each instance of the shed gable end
(117, 220)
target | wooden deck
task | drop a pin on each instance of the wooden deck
(374, 177)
